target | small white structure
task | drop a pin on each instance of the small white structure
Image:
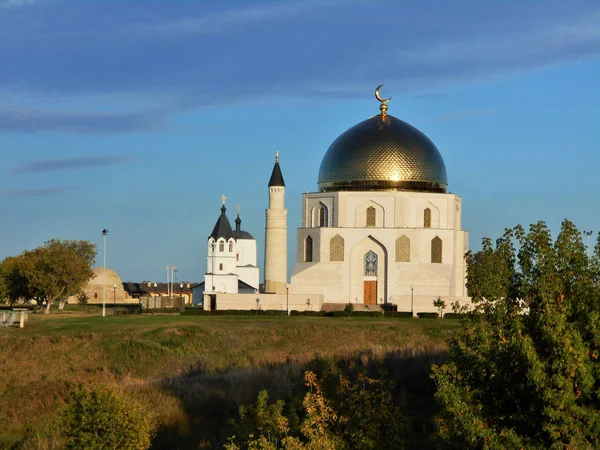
(230, 262)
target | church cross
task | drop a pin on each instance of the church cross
(223, 199)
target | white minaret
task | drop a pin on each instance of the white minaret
(276, 234)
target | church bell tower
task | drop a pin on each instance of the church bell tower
(276, 234)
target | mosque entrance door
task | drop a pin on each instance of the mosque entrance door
(370, 292)
(370, 278)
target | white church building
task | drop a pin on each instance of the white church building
(382, 229)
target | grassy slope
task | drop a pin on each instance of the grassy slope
(191, 371)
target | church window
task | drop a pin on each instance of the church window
(336, 248)
(308, 249)
(371, 264)
(436, 250)
(237, 257)
(427, 218)
(403, 249)
(220, 266)
(322, 216)
(221, 246)
(231, 246)
(371, 222)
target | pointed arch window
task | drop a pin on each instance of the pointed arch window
(436, 250)
(322, 217)
(336, 248)
(221, 246)
(308, 249)
(403, 249)
(427, 218)
(371, 217)
(371, 263)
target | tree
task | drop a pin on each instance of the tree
(440, 305)
(524, 370)
(15, 282)
(82, 298)
(102, 419)
(54, 271)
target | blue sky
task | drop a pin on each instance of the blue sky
(136, 116)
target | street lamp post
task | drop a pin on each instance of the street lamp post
(412, 300)
(588, 233)
(155, 286)
(287, 299)
(104, 233)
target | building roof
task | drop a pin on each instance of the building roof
(239, 233)
(241, 285)
(276, 176)
(382, 153)
(222, 228)
(147, 287)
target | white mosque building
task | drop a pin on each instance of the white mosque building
(381, 230)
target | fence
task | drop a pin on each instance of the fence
(161, 302)
(10, 318)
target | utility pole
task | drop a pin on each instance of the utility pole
(104, 233)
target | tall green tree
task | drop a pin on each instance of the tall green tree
(54, 271)
(523, 371)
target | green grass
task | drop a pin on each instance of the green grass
(183, 367)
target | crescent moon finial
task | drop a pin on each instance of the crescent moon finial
(383, 107)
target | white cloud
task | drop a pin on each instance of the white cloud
(6, 4)
(215, 23)
(542, 41)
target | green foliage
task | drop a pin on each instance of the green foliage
(452, 315)
(102, 419)
(524, 371)
(428, 315)
(349, 309)
(338, 413)
(440, 305)
(56, 270)
(233, 312)
(82, 298)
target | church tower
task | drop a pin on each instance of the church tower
(276, 234)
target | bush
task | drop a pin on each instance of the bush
(428, 315)
(453, 316)
(100, 418)
(82, 298)
(309, 313)
(234, 312)
(398, 314)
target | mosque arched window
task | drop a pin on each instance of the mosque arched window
(322, 212)
(427, 218)
(371, 217)
(371, 264)
(436, 250)
(221, 246)
(308, 249)
(336, 248)
(403, 249)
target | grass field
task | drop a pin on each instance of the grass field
(192, 372)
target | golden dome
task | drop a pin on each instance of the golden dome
(382, 153)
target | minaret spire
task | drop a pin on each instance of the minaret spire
(276, 234)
